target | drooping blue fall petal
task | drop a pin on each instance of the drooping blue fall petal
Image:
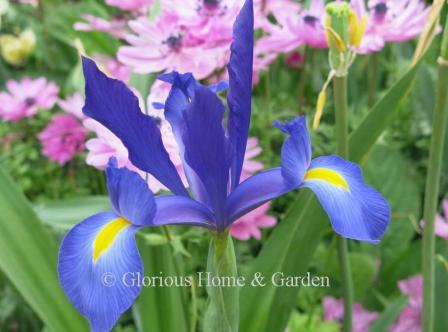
(296, 150)
(356, 210)
(207, 150)
(130, 195)
(93, 258)
(114, 105)
(240, 86)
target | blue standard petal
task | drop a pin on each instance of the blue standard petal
(207, 150)
(93, 258)
(114, 105)
(240, 86)
(356, 210)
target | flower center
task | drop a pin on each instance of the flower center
(174, 43)
(211, 4)
(380, 11)
(30, 101)
(310, 20)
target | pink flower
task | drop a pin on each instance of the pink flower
(362, 318)
(442, 223)
(390, 21)
(115, 27)
(63, 138)
(295, 59)
(410, 317)
(30, 2)
(131, 5)
(249, 225)
(166, 45)
(25, 98)
(73, 105)
(295, 28)
(251, 166)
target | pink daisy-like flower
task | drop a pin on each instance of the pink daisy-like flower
(250, 225)
(23, 99)
(130, 5)
(362, 318)
(62, 138)
(114, 27)
(73, 105)
(295, 28)
(166, 45)
(410, 317)
(390, 21)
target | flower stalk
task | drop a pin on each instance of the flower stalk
(222, 313)
(432, 187)
(341, 108)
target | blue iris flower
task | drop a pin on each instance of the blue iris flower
(98, 252)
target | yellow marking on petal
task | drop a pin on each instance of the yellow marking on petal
(107, 236)
(321, 101)
(360, 32)
(327, 175)
(333, 35)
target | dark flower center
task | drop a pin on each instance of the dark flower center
(380, 11)
(174, 42)
(30, 101)
(211, 3)
(310, 20)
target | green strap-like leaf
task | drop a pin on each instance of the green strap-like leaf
(160, 308)
(28, 257)
(293, 242)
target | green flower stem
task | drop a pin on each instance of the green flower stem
(222, 313)
(340, 100)
(432, 188)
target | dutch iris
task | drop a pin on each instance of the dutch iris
(212, 156)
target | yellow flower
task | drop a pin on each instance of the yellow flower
(16, 49)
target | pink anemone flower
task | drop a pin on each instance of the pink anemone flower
(23, 99)
(62, 138)
(114, 27)
(390, 21)
(251, 224)
(166, 45)
(410, 317)
(362, 318)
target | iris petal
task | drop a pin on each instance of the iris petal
(356, 210)
(240, 86)
(296, 151)
(267, 185)
(112, 104)
(130, 195)
(179, 99)
(255, 191)
(93, 260)
(207, 150)
(180, 210)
